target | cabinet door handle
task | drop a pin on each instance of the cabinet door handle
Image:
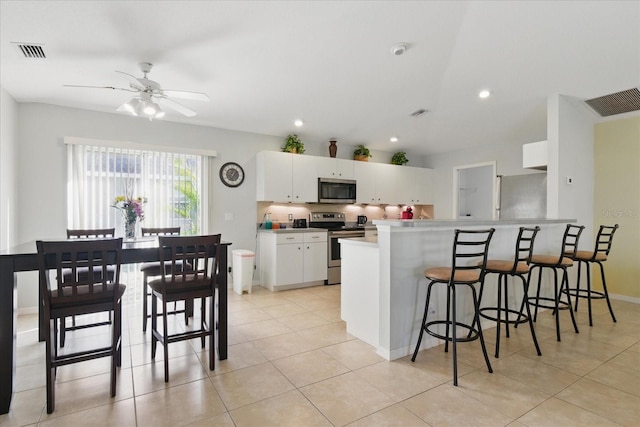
(315, 237)
(289, 238)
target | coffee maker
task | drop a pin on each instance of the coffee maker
(362, 220)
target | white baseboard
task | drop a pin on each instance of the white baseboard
(626, 298)
(27, 310)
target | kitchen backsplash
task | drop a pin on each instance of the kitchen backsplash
(280, 212)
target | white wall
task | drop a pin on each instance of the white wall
(8, 144)
(570, 129)
(41, 170)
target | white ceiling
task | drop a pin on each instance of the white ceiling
(266, 63)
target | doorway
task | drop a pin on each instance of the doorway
(474, 191)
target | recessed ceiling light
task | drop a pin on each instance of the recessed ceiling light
(393, 139)
(298, 123)
(398, 49)
(484, 93)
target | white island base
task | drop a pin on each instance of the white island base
(383, 287)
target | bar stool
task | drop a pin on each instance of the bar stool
(466, 245)
(518, 267)
(597, 256)
(153, 269)
(562, 262)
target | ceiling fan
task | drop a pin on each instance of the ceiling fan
(150, 95)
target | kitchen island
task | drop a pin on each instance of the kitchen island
(383, 286)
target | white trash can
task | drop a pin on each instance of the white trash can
(242, 270)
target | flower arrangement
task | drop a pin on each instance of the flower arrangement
(131, 209)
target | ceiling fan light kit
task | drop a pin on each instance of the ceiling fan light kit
(150, 96)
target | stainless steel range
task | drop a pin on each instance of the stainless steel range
(335, 223)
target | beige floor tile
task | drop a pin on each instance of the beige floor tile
(141, 353)
(508, 396)
(26, 408)
(179, 405)
(263, 329)
(283, 310)
(288, 409)
(605, 401)
(447, 405)
(314, 304)
(90, 392)
(556, 412)
(346, 398)
(298, 368)
(393, 416)
(150, 377)
(222, 420)
(266, 298)
(30, 376)
(563, 356)
(249, 385)
(353, 354)
(628, 359)
(241, 317)
(619, 377)
(398, 380)
(440, 364)
(121, 413)
(325, 335)
(30, 354)
(238, 356)
(283, 345)
(239, 305)
(534, 373)
(301, 321)
(331, 314)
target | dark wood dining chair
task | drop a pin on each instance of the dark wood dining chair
(182, 285)
(95, 233)
(155, 268)
(80, 295)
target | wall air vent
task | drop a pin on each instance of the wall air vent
(31, 50)
(616, 103)
(419, 112)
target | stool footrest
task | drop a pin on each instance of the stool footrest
(584, 293)
(472, 334)
(562, 305)
(522, 318)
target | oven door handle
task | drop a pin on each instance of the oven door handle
(346, 234)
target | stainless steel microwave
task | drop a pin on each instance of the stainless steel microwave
(336, 190)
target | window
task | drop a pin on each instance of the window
(172, 184)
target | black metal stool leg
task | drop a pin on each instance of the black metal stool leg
(565, 283)
(446, 333)
(452, 290)
(588, 293)
(480, 335)
(506, 305)
(606, 293)
(424, 323)
(498, 322)
(525, 285)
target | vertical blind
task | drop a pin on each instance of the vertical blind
(173, 186)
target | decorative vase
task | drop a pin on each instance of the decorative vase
(333, 148)
(130, 230)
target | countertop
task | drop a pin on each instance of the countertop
(428, 223)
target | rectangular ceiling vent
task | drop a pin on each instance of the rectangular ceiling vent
(616, 103)
(419, 113)
(31, 50)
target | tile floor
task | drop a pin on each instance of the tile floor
(291, 362)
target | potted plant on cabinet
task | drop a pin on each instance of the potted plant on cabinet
(361, 153)
(293, 144)
(400, 158)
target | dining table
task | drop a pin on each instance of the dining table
(24, 257)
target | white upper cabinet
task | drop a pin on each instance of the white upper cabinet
(414, 185)
(335, 168)
(534, 155)
(376, 183)
(285, 177)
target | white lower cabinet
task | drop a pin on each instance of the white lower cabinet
(292, 260)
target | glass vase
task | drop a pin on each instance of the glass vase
(130, 230)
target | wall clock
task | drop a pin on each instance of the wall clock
(231, 174)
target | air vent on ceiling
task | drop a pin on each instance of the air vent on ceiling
(419, 112)
(616, 103)
(31, 50)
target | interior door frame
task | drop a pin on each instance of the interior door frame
(457, 169)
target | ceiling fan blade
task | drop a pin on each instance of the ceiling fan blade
(166, 102)
(102, 87)
(194, 96)
(134, 80)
